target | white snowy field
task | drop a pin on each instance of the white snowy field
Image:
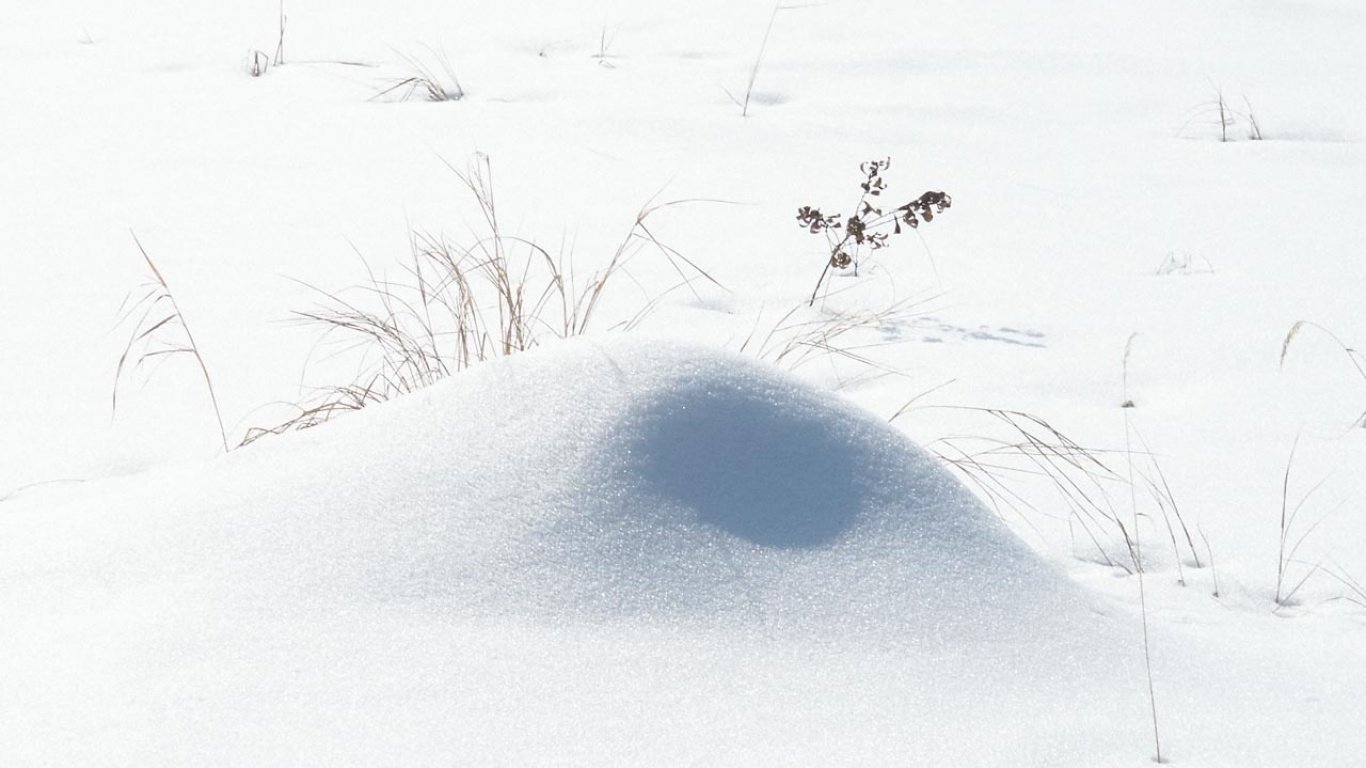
(669, 542)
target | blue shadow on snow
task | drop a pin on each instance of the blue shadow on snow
(750, 468)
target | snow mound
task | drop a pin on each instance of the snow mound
(591, 554)
(587, 481)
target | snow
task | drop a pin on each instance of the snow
(687, 555)
(671, 500)
(590, 482)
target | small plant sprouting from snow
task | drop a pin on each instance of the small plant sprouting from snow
(871, 226)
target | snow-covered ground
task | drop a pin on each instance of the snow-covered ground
(676, 544)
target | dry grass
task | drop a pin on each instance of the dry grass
(457, 306)
(1356, 591)
(429, 79)
(279, 58)
(160, 333)
(1354, 355)
(1219, 113)
(1209, 556)
(1292, 538)
(258, 63)
(758, 59)
(1126, 405)
(1254, 128)
(1160, 490)
(605, 41)
(804, 335)
(1005, 456)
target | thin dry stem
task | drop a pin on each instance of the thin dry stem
(160, 313)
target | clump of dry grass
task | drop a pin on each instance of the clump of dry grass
(803, 335)
(1291, 537)
(457, 306)
(429, 79)
(1018, 460)
(258, 62)
(160, 333)
(1160, 490)
(1007, 455)
(1219, 113)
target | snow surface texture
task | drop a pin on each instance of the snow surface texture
(596, 482)
(628, 487)
(286, 604)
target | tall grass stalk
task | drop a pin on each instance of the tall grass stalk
(758, 59)
(280, 43)
(1125, 407)
(1290, 540)
(1354, 355)
(159, 315)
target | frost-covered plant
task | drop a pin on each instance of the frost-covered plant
(870, 225)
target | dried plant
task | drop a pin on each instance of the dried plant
(1292, 538)
(870, 226)
(280, 43)
(604, 46)
(1354, 355)
(1254, 128)
(1225, 115)
(1356, 591)
(160, 333)
(1209, 555)
(1127, 405)
(1182, 263)
(803, 335)
(258, 63)
(433, 79)
(1013, 449)
(1220, 114)
(758, 59)
(458, 306)
(1160, 490)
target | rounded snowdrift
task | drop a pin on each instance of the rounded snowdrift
(720, 487)
(572, 555)
(585, 481)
